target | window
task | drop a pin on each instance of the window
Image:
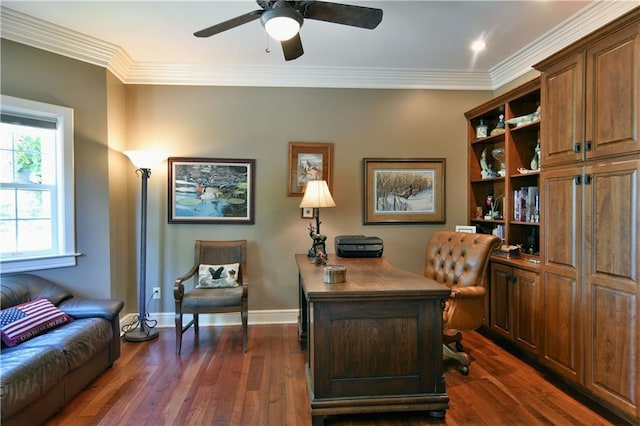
(36, 186)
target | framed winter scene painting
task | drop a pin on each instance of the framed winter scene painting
(404, 190)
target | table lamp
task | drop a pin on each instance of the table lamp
(317, 195)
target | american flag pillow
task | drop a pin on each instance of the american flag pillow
(22, 322)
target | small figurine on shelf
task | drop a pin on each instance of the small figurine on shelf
(481, 130)
(499, 127)
(489, 205)
(535, 161)
(487, 169)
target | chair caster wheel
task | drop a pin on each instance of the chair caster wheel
(464, 370)
(458, 346)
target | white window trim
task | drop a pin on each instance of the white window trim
(67, 254)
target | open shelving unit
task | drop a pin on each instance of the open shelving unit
(519, 143)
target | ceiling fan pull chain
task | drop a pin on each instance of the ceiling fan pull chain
(267, 50)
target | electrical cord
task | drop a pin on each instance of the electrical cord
(135, 322)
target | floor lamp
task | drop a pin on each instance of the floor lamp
(140, 330)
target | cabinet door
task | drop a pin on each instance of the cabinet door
(525, 302)
(562, 112)
(612, 283)
(500, 318)
(613, 82)
(561, 342)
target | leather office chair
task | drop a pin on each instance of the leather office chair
(459, 261)
(218, 286)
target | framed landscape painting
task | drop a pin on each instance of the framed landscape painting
(211, 190)
(404, 190)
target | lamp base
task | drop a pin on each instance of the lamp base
(138, 335)
(318, 245)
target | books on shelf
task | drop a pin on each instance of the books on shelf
(526, 204)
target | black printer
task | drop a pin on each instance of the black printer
(358, 246)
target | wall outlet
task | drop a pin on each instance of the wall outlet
(156, 292)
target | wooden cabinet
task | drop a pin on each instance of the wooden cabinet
(590, 97)
(590, 278)
(611, 284)
(561, 341)
(590, 235)
(514, 294)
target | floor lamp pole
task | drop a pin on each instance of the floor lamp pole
(144, 332)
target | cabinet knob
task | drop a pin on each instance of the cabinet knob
(577, 147)
(587, 146)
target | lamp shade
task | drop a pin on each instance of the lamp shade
(317, 194)
(282, 22)
(145, 159)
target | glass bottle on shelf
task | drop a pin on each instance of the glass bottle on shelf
(481, 130)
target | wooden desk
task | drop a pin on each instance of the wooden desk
(374, 341)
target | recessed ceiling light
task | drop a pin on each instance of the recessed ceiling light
(478, 45)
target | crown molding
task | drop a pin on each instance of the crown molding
(291, 76)
(584, 22)
(43, 35)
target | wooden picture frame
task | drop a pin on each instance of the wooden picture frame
(211, 190)
(307, 213)
(309, 161)
(467, 229)
(404, 190)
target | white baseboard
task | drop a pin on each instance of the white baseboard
(167, 319)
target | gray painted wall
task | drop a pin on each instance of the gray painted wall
(37, 75)
(233, 122)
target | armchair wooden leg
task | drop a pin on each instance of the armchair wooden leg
(244, 330)
(178, 333)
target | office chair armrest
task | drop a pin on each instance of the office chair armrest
(465, 308)
(469, 292)
(178, 288)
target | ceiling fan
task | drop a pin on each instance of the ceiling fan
(282, 20)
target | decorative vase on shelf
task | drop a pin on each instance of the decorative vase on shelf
(498, 154)
(535, 161)
(487, 169)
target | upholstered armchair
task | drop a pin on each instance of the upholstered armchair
(459, 261)
(220, 284)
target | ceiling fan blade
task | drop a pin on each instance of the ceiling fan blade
(292, 48)
(355, 16)
(231, 23)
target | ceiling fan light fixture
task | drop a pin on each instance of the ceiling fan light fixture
(282, 22)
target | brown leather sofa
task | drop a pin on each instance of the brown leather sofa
(39, 376)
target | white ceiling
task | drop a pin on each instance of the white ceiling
(419, 44)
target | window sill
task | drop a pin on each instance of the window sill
(38, 263)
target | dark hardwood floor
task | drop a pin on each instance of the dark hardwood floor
(214, 383)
